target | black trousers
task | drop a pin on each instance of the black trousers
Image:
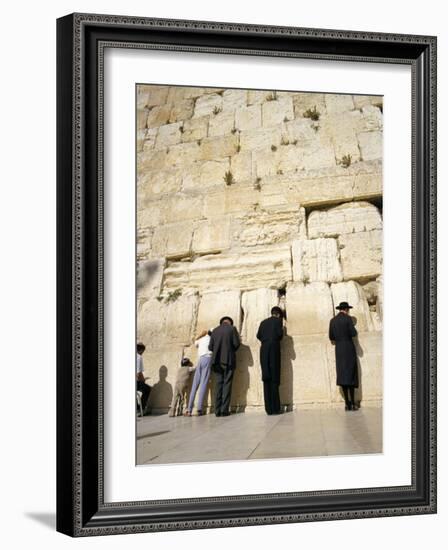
(223, 388)
(271, 397)
(146, 390)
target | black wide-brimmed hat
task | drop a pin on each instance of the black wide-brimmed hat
(226, 318)
(344, 305)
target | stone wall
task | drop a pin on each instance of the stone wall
(248, 199)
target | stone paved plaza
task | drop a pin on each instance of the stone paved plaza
(252, 435)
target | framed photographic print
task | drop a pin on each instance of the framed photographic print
(246, 275)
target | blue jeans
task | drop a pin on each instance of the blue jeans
(200, 380)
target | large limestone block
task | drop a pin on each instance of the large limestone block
(221, 124)
(380, 298)
(318, 154)
(361, 101)
(232, 199)
(201, 175)
(153, 183)
(260, 267)
(142, 115)
(316, 260)
(304, 102)
(168, 320)
(309, 308)
(371, 145)
(157, 95)
(337, 103)
(372, 117)
(369, 350)
(361, 254)
(151, 160)
(211, 236)
(179, 208)
(148, 138)
(183, 154)
(182, 110)
(309, 378)
(217, 147)
(343, 129)
(168, 134)
(255, 97)
(248, 118)
(207, 105)
(275, 112)
(270, 225)
(253, 140)
(346, 218)
(194, 129)
(215, 305)
(158, 116)
(354, 294)
(149, 278)
(256, 305)
(234, 99)
(241, 166)
(172, 240)
(299, 129)
(247, 388)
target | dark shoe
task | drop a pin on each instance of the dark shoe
(348, 406)
(354, 407)
(225, 414)
(218, 414)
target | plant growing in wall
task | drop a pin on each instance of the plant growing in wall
(216, 110)
(228, 178)
(257, 184)
(173, 296)
(346, 160)
(272, 96)
(313, 113)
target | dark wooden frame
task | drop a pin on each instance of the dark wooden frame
(81, 39)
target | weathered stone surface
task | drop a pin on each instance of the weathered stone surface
(169, 134)
(337, 103)
(271, 225)
(142, 115)
(160, 182)
(182, 110)
(299, 129)
(353, 293)
(316, 260)
(151, 160)
(232, 199)
(234, 99)
(275, 112)
(183, 154)
(158, 116)
(164, 322)
(212, 236)
(361, 254)
(349, 217)
(258, 268)
(342, 128)
(204, 174)
(379, 302)
(304, 374)
(371, 145)
(253, 140)
(372, 117)
(248, 118)
(207, 104)
(194, 129)
(149, 278)
(361, 101)
(256, 305)
(309, 308)
(148, 138)
(241, 166)
(172, 240)
(256, 96)
(218, 147)
(215, 305)
(221, 124)
(157, 95)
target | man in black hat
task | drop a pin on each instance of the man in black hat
(270, 332)
(341, 333)
(224, 341)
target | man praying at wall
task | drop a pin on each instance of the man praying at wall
(270, 333)
(224, 341)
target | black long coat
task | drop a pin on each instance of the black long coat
(342, 331)
(270, 332)
(224, 341)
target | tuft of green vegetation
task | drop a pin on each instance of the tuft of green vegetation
(234, 130)
(238, 148)
(216, 110)
(295, 142)
(181, 129)
(159, 298)
(313, 113)
(286, 119)
(273, 148)
(228, 178)
(257, 184)
(173, 296)
(272, 96)
(280, 172)
(379, 104)
(199, 141)
(346, 160)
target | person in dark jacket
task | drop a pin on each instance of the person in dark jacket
(270, 332)
(224, 341)
(341, 333)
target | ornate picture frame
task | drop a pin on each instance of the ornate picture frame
(81, 506)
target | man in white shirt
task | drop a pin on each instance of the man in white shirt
(140, 377)
(201, 374)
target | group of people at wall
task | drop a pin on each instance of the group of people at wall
(217, 354)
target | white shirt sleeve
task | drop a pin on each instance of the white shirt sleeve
(139, 363)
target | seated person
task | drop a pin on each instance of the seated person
(140, 377)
